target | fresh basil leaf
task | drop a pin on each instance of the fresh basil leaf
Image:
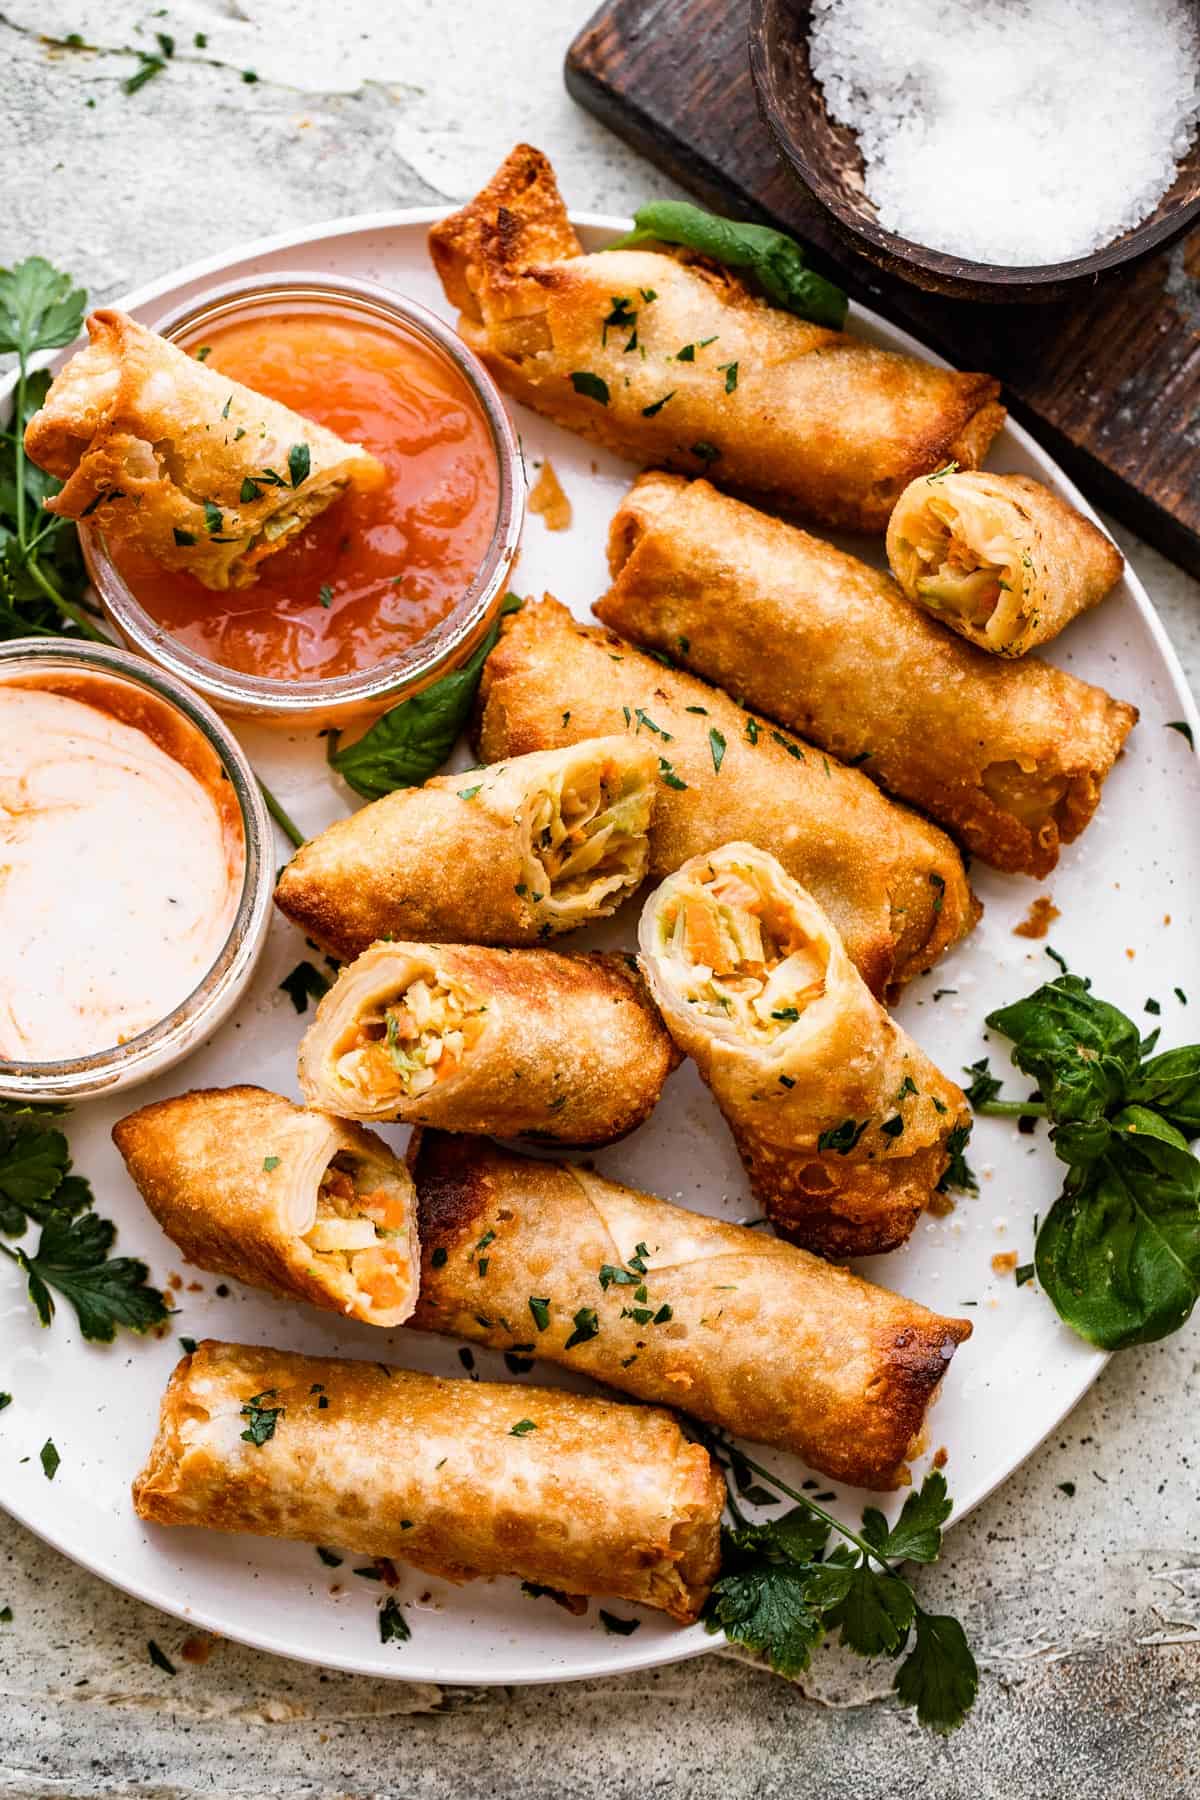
(1082, 1052)
(938, 1676)
(1170, 1083)
(773, 261)
(410, 743)
(1119, 1251)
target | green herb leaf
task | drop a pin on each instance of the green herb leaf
(771, 260)
(587, 1325)
(270, 1164)
(618, 1627)
(394, 1628)
(305, 983)
(540, 1308)
(150, 67)
(1184, 730)
(959, 1174)
(761, 1605)
(299, 463)
(984, 1086)
(938, 1676)
(917, 1534)
(40, 308)
(72, 1257)
(214, 518)
(50, 1459)
(592, 387)
(656, 406)
(407, 745)
(330, 1558)
(716, 744)
(325, 595)
(668, 776)
(262, 1419)
(843, 1137)
(1081, 1052)
(250, 491)
(522, 1428)
(160, 1659)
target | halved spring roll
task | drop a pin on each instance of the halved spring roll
(634, 348)
(843, 1123)
(513, 854)
(998, 558)
(306, 1206)
(161, 450)
(894, 884)
(730, 1324)
(588, 1497)
(1010, 758)
(515, 1042)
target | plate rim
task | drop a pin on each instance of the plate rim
(688, 1641)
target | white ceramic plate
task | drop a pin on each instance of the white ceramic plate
(1128, 895)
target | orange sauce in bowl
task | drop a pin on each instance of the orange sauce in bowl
(375, 571)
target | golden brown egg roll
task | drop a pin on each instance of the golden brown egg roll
(1009, 757)
(162, 451)
(587, 1496)
(842, 1121)
(513, 854)
(633, 348)
(730, 1324)
(998, 558)
(306, 1206)
(515, 1042)
(893, 883)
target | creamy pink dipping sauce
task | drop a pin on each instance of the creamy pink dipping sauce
(121, 864)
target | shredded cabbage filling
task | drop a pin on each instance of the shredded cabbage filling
(745, 958)
(366, 1233)
(402, 1047)
(584, 834)
(963, 579)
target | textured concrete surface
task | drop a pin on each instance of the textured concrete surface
(1085, 1610)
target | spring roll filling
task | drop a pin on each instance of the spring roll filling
(401, 1047)
(740, 954)
(968, 562)
(363, 1234)
(585, 835)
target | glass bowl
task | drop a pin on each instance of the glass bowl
(197, 736)
(339, 699)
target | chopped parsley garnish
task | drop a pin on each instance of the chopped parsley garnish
(540, 1308)
(1024, 1273)
(160, 1659)
(214, 518)
(787, 744)
(182, 538)
(668, 775)
(643, 718)
(786, 1014)
(716, 744)
(5, 1400)
(893, 1127)
(983, 1085)
(203, 353)
(1184, 730)
(752, 730)
(262, 1419)
(330, 1558)
(938, 883)
(959, 1174)
(250, 491)
(618, 1627)
(394, 1628)
(50, 1459)
(592, 387)
(708, 453)
(522, 1428)
(787, 1081)
(299, 463)
(587, 1325)
(730, 371)
(649, 412)
(843, 1137)
(325, 595)
(270, 1164)
(305, 983)
(470, 792)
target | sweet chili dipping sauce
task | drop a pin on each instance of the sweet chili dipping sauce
(375, 571)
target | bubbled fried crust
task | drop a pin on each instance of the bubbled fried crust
(825, 424)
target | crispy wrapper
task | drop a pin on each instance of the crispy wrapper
(543, 844)
(998, 558)
(1010, 757)
(160, 450)
(597, 1499)
(843, 1123)
(513, 1042)
(308, 1207)
(893, 884)
(757, 1337)
(822, 422)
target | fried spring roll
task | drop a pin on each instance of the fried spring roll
(730, 1324)
(515, 1042)
(1011, 758)
(822, 422)
(843, 1123)
(544, 843)
(590, 1497)
(162, 451)
(893, 883)
(998, 558)
(308, 1207)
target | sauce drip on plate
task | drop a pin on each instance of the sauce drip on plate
(376, 571)
(120, 871)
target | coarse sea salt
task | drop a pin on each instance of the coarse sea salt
(1012, 131)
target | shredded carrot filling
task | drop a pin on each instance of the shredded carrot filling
(747, 958)
(583, 833)
(403, 1047)
(366, 1232)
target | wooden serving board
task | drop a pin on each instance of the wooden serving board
(1110, 381)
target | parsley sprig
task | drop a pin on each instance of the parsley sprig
(37, 1187)
(1119, 1251)
(781, 1590)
